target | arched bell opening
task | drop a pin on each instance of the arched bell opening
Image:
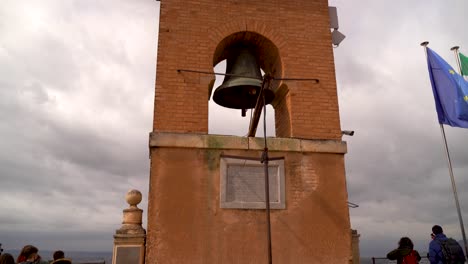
(243, 54)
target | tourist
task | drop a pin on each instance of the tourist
(59, 258)
(432, 238)
(7, 259)
(440, 244)
(59, 254)
(29, 255)
(21, 257)
(405, 252)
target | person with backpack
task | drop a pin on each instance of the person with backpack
(405, 254)
(443, 250)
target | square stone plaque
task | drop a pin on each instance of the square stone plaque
(243, 184)
(127, 254)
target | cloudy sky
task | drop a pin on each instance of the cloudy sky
(76, 101)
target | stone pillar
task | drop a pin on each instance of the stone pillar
(355, 247)
(129, 240)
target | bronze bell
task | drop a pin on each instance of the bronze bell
(241, 91)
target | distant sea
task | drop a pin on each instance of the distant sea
(365, 260)
(73, 255)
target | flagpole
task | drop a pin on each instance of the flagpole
(455, 50)
(457, 58)
(452, 179)
(454, 187)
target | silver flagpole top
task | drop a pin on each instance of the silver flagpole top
(424, 44)
(454, 48)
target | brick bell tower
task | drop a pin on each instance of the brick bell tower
(205, 204)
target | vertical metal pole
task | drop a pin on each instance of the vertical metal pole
(454, 187)
(265, 163)
(457, 58)
(373, 260)
(267, 202)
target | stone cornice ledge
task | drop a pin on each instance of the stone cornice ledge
(183, 140)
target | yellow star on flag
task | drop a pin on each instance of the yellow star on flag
(451, 72)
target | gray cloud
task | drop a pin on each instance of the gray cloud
(75, 94)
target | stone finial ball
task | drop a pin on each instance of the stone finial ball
(133, 197)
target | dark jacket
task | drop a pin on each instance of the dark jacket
(435, 250)
(39, 261)
(399, 253)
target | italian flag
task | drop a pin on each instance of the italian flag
(464, 65)
(464, 72)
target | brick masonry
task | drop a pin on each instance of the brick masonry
(185, 221)
(190, 32)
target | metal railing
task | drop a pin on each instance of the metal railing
(86, 262)
(382, 260)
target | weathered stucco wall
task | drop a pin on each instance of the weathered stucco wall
(186, 223)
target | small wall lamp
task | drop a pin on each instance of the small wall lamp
(347, 132)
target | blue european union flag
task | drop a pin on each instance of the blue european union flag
(450, 91)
